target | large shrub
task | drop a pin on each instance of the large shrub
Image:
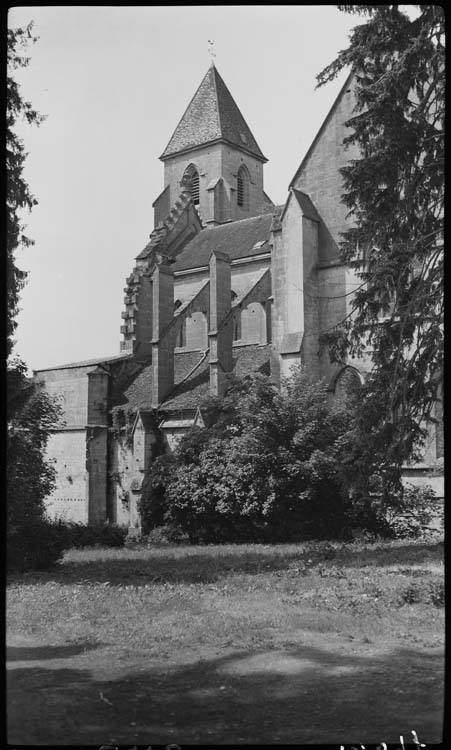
(410, 511)
(269, 468)
(36, 544)
(80, 535)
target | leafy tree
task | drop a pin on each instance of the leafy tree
(395, 196)
(270, 467)
(32, 413)
(19, 196)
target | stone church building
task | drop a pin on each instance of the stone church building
(228, 283)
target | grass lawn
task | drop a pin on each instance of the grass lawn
(252, 644)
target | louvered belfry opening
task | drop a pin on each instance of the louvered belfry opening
(192, 175)
(243, 188)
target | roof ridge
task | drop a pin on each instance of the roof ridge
(215, 82)
(237, 221)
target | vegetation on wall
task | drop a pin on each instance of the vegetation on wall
(123, 419)
(395, 196)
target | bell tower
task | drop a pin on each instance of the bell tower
(213, 151)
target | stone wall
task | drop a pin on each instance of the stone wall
(70, 386)
(320, 178)
(294, 259)
(213, 162)
(310, 341)
(68, 450)
(67, 446)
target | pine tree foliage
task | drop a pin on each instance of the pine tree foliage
(19, 196)
(395, 195)
(32, 541)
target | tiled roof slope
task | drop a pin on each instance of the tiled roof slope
(212, 115)
(237, 240)
(308, 209)
(188, 394)
(246, 360)
(89, 362)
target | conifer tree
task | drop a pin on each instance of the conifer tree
(395, 195)
(19, 196)
(32, 541)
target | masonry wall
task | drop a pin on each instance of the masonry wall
(70, 386)
(253, 323)
(288, 282)
(67, 446)
(232, 160)
(68, 500)
(320, 177)
(128, 463)
(310, 341)
(213, 162)
(244, 276)
(187, 285)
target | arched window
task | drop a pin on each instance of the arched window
(237, 326)
(253, 324)
(196, 331)
(191, 176)
(347, 381)
(243, 187)
(181, 336)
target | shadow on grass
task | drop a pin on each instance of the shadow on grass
(210, 564)
(38, 653)
(303, 695)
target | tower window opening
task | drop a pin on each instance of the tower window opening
(192, 177)
(243, 188)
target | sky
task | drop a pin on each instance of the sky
(113, 83)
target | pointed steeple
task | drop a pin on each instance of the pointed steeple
(212, 116)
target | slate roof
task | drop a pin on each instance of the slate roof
(89, 362)
(246, 360)
(305, 202)
(237, 240)
(212, 115)
(188, 394)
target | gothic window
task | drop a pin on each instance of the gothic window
(347, 382)
(253, 324)
(181, 336)
(243, 187)
(237, 326)
(192, 175)
(196, 331)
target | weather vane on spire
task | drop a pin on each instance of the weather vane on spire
(211, 50)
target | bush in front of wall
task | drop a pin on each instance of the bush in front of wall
(96, 535)
(168, 534)
(36, 545)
